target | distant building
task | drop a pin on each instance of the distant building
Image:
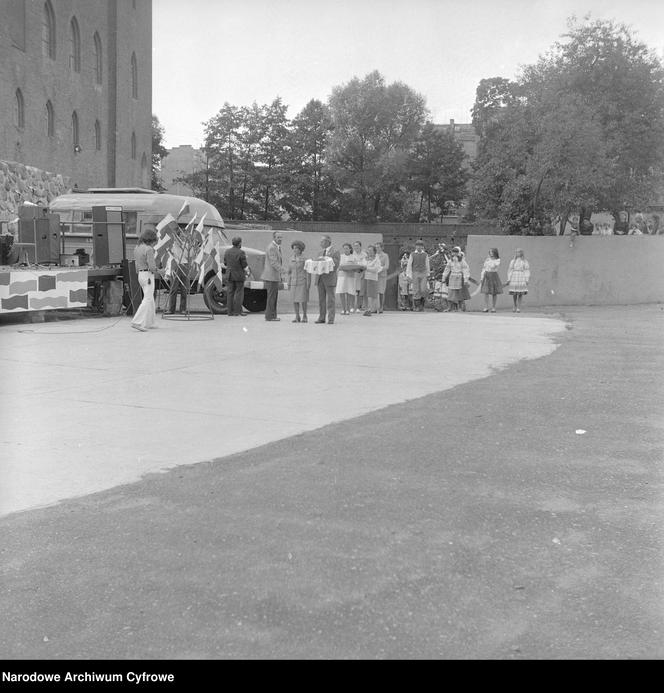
(466, 135)
(181, 161)
(75, 96)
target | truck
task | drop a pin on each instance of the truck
(102, 226)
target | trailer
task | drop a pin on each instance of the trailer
(67, 254)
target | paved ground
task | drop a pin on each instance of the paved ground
(94, 404)
(473, 522)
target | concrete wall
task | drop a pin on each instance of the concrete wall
(596, 270)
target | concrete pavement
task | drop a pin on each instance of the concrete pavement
(94, 404)
(473, 522)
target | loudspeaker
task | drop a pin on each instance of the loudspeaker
(32, 212)
(44, 233)
(107, 235)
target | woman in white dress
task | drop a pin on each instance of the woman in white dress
(518, 276)
(346, 281)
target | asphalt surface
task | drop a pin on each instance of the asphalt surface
(477, 522)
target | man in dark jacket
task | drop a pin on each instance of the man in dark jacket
(235, 260)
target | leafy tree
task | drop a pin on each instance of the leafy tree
(223, 136)
(309, 190)
(436, 170)
(580, 129)
(374, 128)
(159, 152)
(271, 133)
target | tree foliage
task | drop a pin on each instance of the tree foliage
(358, 157)
(159, 152)
(436, 171)
(580, 129)
(374, 129)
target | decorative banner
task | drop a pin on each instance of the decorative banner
(193, 246)
(22, 290)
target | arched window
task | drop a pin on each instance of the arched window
(50, 119)
(75, 41)
(97, 135)
(133, 145)
(48, 31)
(74, 130)
(98, 59)
(144, 171)
(134, 76)
(20, 110)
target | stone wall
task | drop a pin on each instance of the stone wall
(20, 183)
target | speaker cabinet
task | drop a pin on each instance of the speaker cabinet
(32, 212)
(108, 236)
(44, 234)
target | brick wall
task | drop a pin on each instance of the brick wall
(42, 79)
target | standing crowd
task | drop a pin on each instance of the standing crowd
(355, 275)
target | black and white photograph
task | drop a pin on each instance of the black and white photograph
(451, 445)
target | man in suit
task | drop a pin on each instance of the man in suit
(235, 260)
(272, 275)
(327, 283)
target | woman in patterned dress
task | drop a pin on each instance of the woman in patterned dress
(299, 281)
(518, 276)
(455, 274)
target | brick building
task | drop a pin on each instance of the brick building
(75, 96)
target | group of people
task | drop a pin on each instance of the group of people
(355, 275)
(455, 280)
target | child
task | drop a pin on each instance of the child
(405, 290)
(456, 273)
(373, 267)
(491, 284)
(518, 276)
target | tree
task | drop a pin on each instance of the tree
(223, 151)
(436, 171)
(159, 152)
(308, 189)
(374, 128)
(271, 128)
(582, 128)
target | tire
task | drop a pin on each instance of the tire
(255, 300)
(215, 298)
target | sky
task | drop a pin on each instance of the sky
(208, 52)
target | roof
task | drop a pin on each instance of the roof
(138, 200)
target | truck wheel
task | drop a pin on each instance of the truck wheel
(215, 298)
(255, 300)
